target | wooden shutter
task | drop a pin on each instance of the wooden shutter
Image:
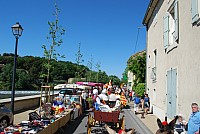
(166, 31)
(176, 20)
(194, 10)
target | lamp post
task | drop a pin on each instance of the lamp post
(17, 32)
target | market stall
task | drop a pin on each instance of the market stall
(52, 114)
(57, 124)
(35, 124)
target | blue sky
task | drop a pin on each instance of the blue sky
(107, 29)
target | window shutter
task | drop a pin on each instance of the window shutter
(166, 31)
(176, 20)
(194, 10)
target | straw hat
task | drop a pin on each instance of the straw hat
(95, 91)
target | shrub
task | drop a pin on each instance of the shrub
(140, 88)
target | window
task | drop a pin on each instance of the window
(154, 95)
(171, 25)
(155, 57)
(153, 73)
(129, 84)
(195, 8)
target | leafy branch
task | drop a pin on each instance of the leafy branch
(54, 40)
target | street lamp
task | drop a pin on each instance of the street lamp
(17, 32)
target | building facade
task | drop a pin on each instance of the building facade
(130, 80)
(173, 58)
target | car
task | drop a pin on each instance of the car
(6, 116)
(66, 91)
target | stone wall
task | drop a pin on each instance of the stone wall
(24, 103)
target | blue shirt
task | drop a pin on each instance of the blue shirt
(146, 99)
(136, 100)
(194, 123)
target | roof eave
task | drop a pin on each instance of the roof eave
(149, 11)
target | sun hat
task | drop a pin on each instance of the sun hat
(95, 91)
(104, 91)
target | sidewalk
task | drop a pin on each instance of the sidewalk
(150, 120)
(23, 116)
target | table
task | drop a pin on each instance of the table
(53, 127)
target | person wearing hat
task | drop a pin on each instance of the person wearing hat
(103, 96)
(117, 104)
(112, 98)
(194, 121)
(97, 103)
(180, 125)
(96, 99)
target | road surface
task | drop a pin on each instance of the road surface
(79, 126)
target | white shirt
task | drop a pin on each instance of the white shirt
(103, 97)
(84, 95)
(112, 97)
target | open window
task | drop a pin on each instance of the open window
(195, 10)
(171, 30)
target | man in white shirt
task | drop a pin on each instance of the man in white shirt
(103, 95)
(84, 97)
(112, 98)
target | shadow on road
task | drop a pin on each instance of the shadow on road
(79, 125)
(72, 125)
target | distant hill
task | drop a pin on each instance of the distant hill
(31, 72)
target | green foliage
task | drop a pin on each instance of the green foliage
(115, 80)
(23, 79)
(6, 76)
(30, 72)
(103, 77)
(54, 40)
(140, 88)
(137, 65)
(79, 60)
(79, 56)
(125, 73)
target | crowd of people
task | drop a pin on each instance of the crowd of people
(105, 99)
(140, 102)
(110, 99)
(181, 125)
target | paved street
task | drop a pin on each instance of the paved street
(146, 125)
(79, 125)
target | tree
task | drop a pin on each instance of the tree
(6, 76)
(54, 40)
(90, 64)
(79, 60)
(103, 77)
(97, 66)
(115, 80)
(137, 65)
(30, 69)
(124, 78)
(79, 57)
(140, 88)
(23, 79)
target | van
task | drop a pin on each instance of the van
(66, 91)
